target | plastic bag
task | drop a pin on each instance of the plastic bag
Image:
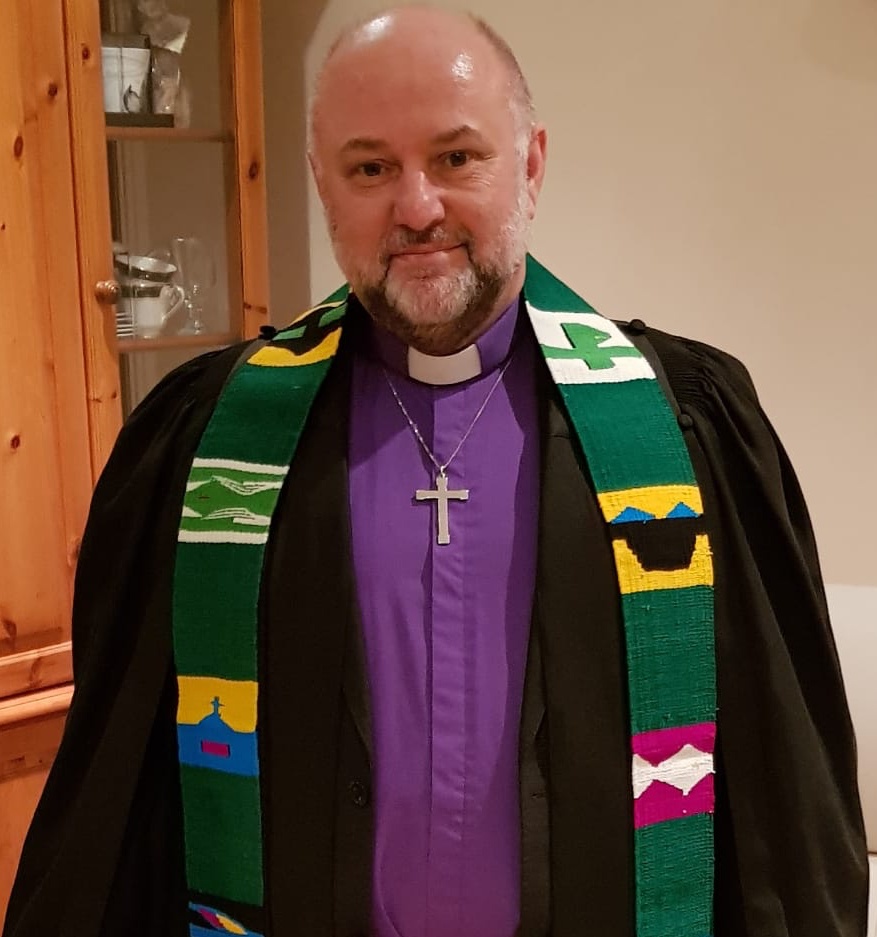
(168, 33)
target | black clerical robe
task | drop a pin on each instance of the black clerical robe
(104, 857)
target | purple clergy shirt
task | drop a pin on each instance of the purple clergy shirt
(445, 630)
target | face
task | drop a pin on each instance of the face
(428, 185)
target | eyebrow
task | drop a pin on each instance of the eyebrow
(373, 144)
(451, 136)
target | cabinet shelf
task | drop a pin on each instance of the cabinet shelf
(169, 134)
(204, 340)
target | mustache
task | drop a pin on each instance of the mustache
(403, 237)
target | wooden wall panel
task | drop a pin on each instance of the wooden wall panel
(20, 794)
(30, 732)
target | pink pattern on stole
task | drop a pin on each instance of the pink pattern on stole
(661, 801)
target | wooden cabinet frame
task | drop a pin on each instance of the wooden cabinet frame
(55, 246)
(240, 42)
(60, 407)
(44, 453)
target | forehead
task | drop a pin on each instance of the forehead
(411, 92)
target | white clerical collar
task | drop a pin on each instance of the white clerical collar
(444, 369)
(484, 355)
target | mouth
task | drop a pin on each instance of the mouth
(425, 250)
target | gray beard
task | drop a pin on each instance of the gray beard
(437, 338)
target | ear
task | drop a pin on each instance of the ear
(536, 154)
(315, 172)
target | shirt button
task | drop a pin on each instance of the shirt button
(685, 421)
(637, 326)
(359, 793)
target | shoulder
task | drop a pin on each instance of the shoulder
(699, 374)
(200, 378)
(172, 415)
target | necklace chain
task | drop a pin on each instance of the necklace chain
(442, 468)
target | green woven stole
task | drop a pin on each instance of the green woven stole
(645, 484)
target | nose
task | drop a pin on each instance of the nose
(418, 203)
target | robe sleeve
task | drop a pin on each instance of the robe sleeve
(791, 853)
(104, 854)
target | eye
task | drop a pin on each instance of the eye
(369, 170)
(369, 173)
(457, 159)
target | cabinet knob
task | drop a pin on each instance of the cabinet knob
(107, 292)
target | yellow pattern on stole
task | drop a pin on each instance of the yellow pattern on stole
(654, 499)
(273, 357)
(633, 578)
(239, 700)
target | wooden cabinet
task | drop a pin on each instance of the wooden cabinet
(71, 187)
(140, 186)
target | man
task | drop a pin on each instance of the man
(529, 639)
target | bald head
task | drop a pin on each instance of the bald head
(417, 29)
(428, 162)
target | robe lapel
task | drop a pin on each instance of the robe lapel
(533, 792)
(580, 637)
(313, 661)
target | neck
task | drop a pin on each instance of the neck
(508, 295)
(485, 354)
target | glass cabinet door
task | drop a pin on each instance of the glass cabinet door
(173, 103)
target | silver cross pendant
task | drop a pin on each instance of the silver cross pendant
(441, 495)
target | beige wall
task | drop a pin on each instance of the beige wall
(287, 35)
(853, 615)
(712, 170)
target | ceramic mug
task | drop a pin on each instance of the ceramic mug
(125, 71)
(151, 305)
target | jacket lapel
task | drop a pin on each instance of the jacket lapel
(312, 657)
(582, 655)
